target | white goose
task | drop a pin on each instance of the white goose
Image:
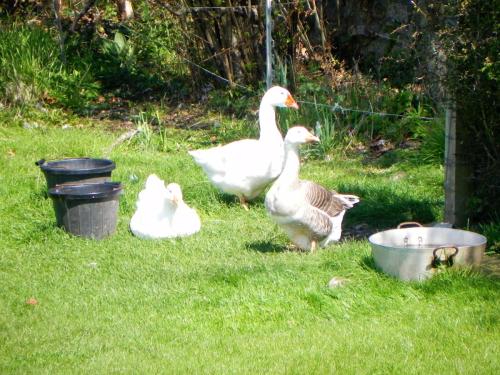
(162, 213)
(244, 168)
(307, 212)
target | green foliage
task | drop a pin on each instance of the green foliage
(31, 70)
(141, 56)
(119, 51)
(159, 41)
(117, 61)
(431, 135)
(364, 111)
(145, 136)
(233, 101)
(492, 231)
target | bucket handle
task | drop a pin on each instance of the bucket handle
(448, 261)
(40, 162)
(409, 224)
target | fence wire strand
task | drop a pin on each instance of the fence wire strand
(195, 8)
(336, 107)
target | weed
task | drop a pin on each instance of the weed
(145, 137)
(431, 134)
(492, 231)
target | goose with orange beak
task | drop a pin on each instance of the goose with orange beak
(246, 167)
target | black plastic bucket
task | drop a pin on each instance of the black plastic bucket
(87, 210)
(73, 170)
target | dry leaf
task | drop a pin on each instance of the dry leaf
(32, 301)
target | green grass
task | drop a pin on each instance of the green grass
(232, 298)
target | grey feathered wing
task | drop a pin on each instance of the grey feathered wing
(322, 205)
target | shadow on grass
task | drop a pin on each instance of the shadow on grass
(368, 263)
(266, 247)
(227, 199)
(381, 209)
(231, 200)
(40, 194)
(411, 156)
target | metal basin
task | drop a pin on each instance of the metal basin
(417, 253)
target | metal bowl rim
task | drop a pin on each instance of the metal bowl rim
(481, 240)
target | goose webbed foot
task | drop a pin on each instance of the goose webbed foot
(244, 203)
(313, 246)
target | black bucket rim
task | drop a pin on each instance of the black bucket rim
(51, 167)
(86, 190)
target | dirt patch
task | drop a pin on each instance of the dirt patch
(116, 114)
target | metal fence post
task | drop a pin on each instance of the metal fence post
(269, 26)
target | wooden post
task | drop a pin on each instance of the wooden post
(458, 173)
(57, 7)
(269, 70)
(125, 10)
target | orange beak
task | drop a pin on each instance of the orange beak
(290, 102)
(312, 138)
(175, 199)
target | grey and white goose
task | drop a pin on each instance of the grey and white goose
(306, 211)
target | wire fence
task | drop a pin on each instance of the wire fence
(336, 107)
(198, 8)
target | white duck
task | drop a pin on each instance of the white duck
(307, 212)
(244, 168)
(162, 213)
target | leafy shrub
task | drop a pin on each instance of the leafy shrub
(142, 55)
(492, 232)
(117, 61)
(350, 108)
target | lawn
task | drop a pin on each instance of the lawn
(233, 298)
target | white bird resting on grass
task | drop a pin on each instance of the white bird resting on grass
(162, 213)
(307, 212)
(246, 167)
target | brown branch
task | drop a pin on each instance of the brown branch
(56, 8)
(178, 13)
(79, 16)
(318, 23)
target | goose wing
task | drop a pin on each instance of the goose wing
(220, 159)
(246, 158)
(320, 206)
(329, 202)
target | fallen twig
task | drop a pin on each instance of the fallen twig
(122, 138)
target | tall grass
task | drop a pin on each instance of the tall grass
(347, 108)
(31, 70)
(28, 59)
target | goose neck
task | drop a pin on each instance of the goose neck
(267, 123)
(291, 169)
